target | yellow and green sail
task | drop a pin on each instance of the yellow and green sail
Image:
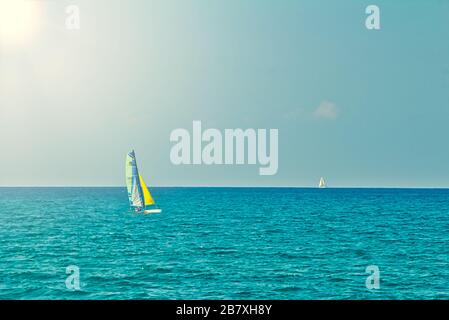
(138, 193)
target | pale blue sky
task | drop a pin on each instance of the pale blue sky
(73, 103)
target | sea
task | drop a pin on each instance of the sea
(225, 243)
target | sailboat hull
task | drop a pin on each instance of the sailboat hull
(150, 211)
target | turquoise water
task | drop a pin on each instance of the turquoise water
(225, 243)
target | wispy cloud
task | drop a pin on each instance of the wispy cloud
(326, 110)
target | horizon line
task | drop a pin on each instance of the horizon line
(226, 186)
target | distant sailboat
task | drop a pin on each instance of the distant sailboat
(139, 196)
(322, 183)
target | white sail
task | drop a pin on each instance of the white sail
(322, 183)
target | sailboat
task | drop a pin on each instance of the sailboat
(139, 196)
(322, 183)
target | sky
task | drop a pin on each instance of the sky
(362, 108)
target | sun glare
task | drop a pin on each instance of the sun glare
(18, 20)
